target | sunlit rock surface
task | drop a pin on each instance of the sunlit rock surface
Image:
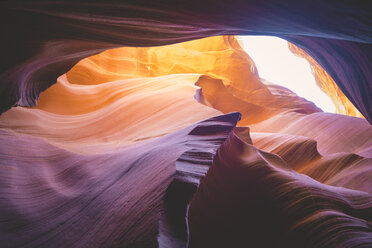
(44, 39)
(180, 145)
(326, 83)
(110, 157)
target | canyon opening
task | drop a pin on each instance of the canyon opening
(194, 124)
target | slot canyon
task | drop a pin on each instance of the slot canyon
(140, 123)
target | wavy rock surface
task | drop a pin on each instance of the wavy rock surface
(45, 39)
(253, 198)
(55, 198)
(111, 155)
(99, 118)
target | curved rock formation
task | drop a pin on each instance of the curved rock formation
(45, 39)
(326, 83)
(254, 198)
(54, 198)
(143, 146)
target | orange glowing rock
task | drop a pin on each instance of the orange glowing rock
(129, 84)
(138, 132)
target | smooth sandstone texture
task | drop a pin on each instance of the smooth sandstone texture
(44, 39)
(125, 151)
(131, 94)
(99, 118)
(54, 198)
(253, 198)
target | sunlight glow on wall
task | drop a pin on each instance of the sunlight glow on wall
(277, 64)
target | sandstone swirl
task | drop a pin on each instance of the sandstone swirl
(181, 145)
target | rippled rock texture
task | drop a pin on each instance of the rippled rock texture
(181, 145)
(44, 39)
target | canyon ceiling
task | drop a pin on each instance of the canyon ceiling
(145, 124)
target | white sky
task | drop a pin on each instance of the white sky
(277, 64)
